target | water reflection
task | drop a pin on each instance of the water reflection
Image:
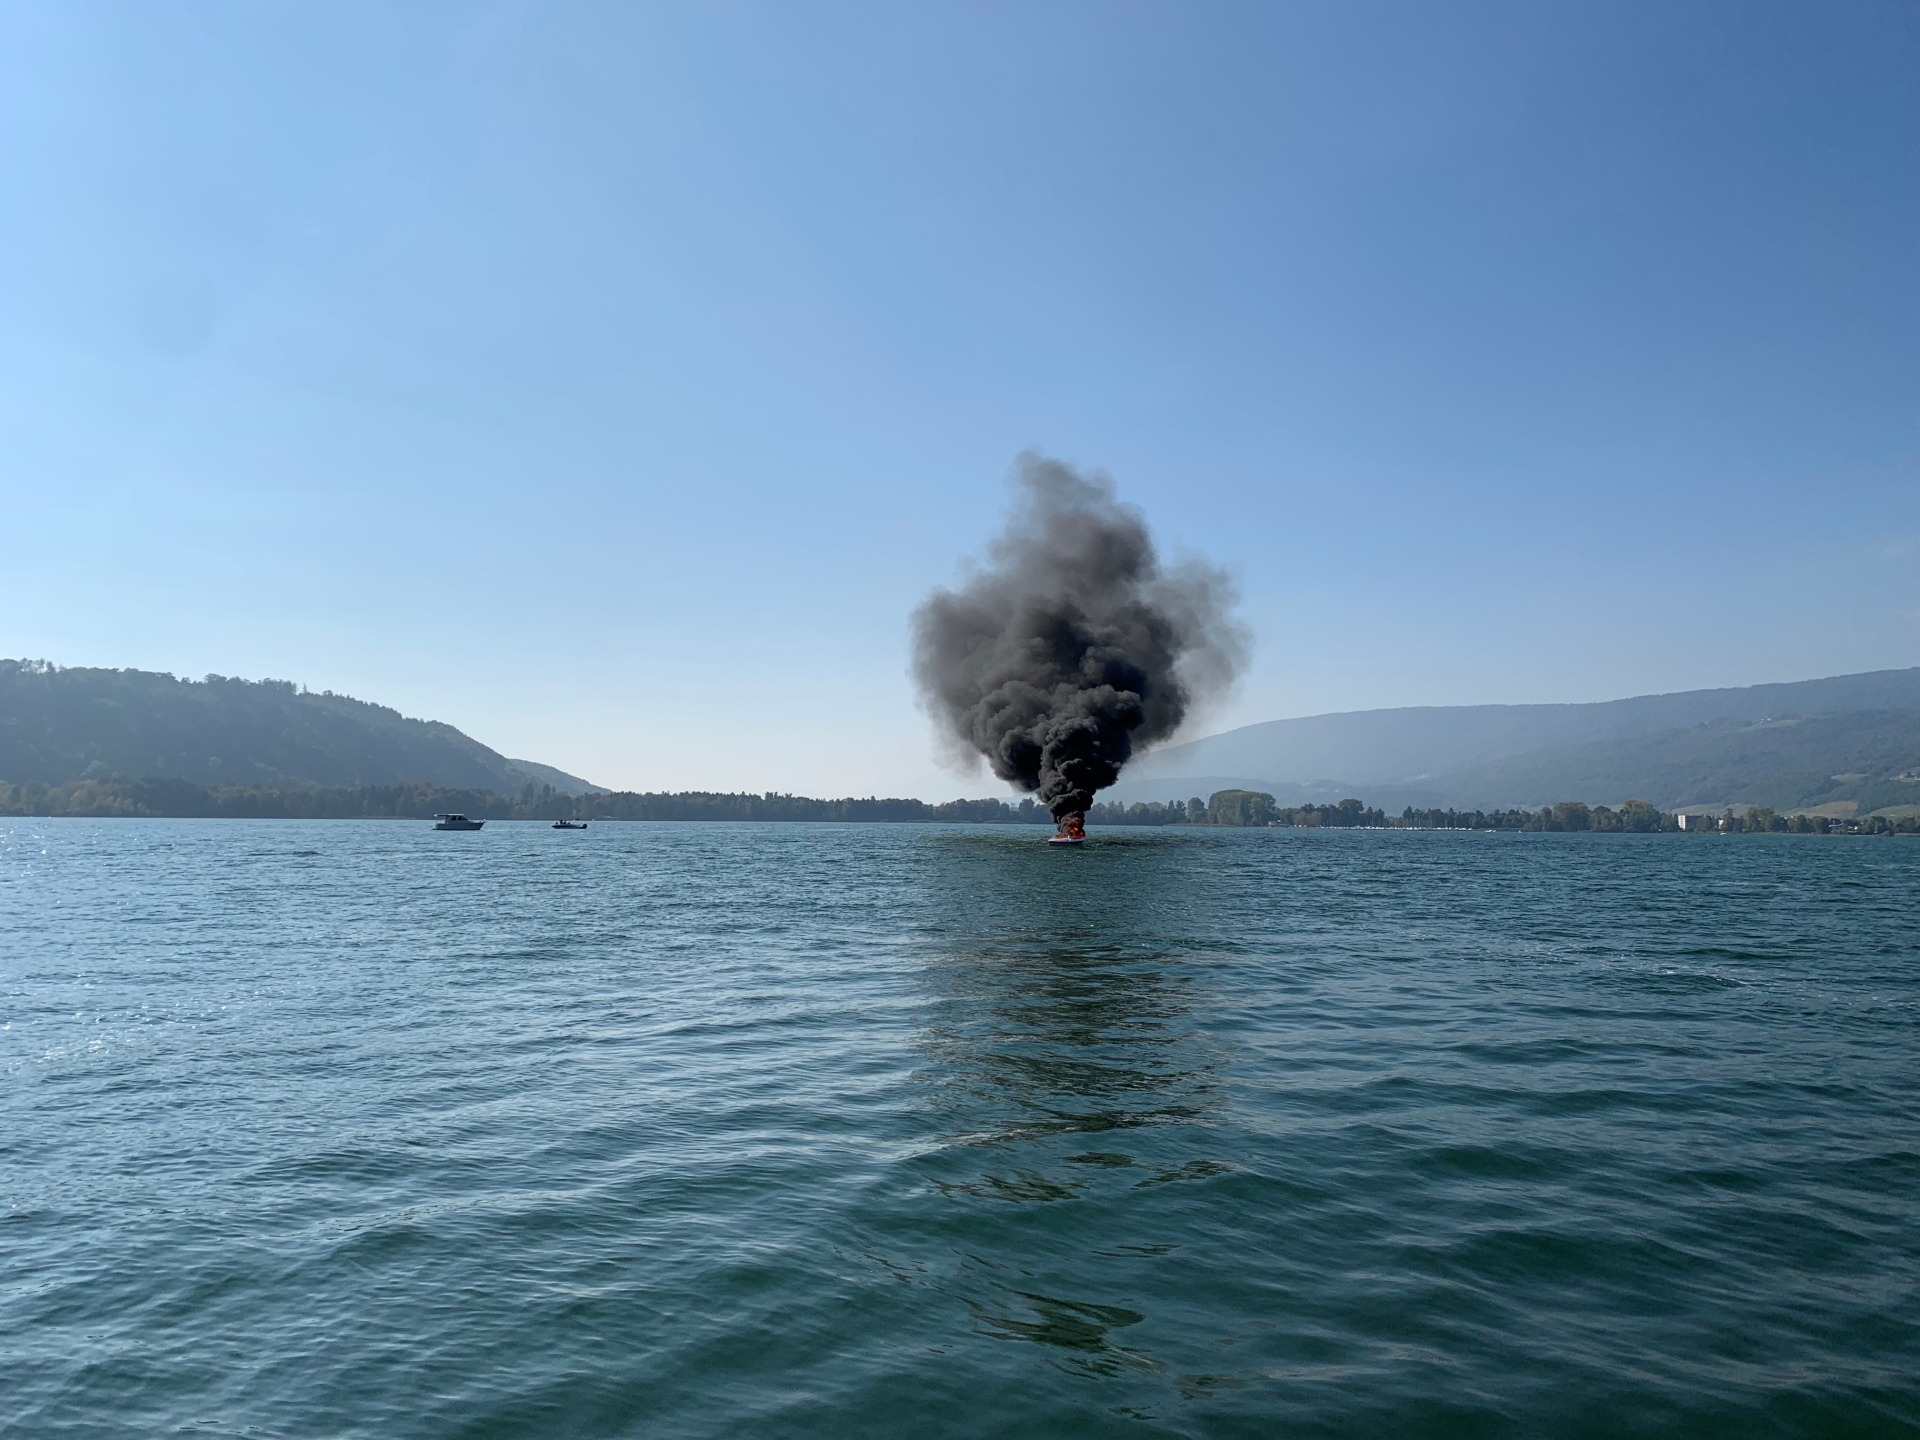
(1061, 999)
(1068, 1077)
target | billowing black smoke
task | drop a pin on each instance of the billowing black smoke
(1073, 646)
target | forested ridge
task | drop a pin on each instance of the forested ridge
(62, 724)
(77, 741)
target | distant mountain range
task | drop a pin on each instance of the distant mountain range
(58, 725)
(1850, 744)
(1850, 741)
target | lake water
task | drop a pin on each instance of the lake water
(356, 1129)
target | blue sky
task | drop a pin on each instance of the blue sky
(611, 381)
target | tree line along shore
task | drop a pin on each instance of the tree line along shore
(182, 799)
(1256, 808)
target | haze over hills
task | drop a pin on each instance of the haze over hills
(1845, 739)
(58, 725)
(1855, 758)
(1851, 742)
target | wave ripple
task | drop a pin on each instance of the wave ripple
(357, 1129)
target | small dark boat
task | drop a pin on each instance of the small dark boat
(569, 824)
(457, 822)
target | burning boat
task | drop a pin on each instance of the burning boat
(1072, 648)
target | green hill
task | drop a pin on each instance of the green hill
(58, 725)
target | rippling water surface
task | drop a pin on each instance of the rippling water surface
(358, 1129)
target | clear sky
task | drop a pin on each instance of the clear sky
(611, 381)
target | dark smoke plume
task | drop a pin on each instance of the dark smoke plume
(1072, 646)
